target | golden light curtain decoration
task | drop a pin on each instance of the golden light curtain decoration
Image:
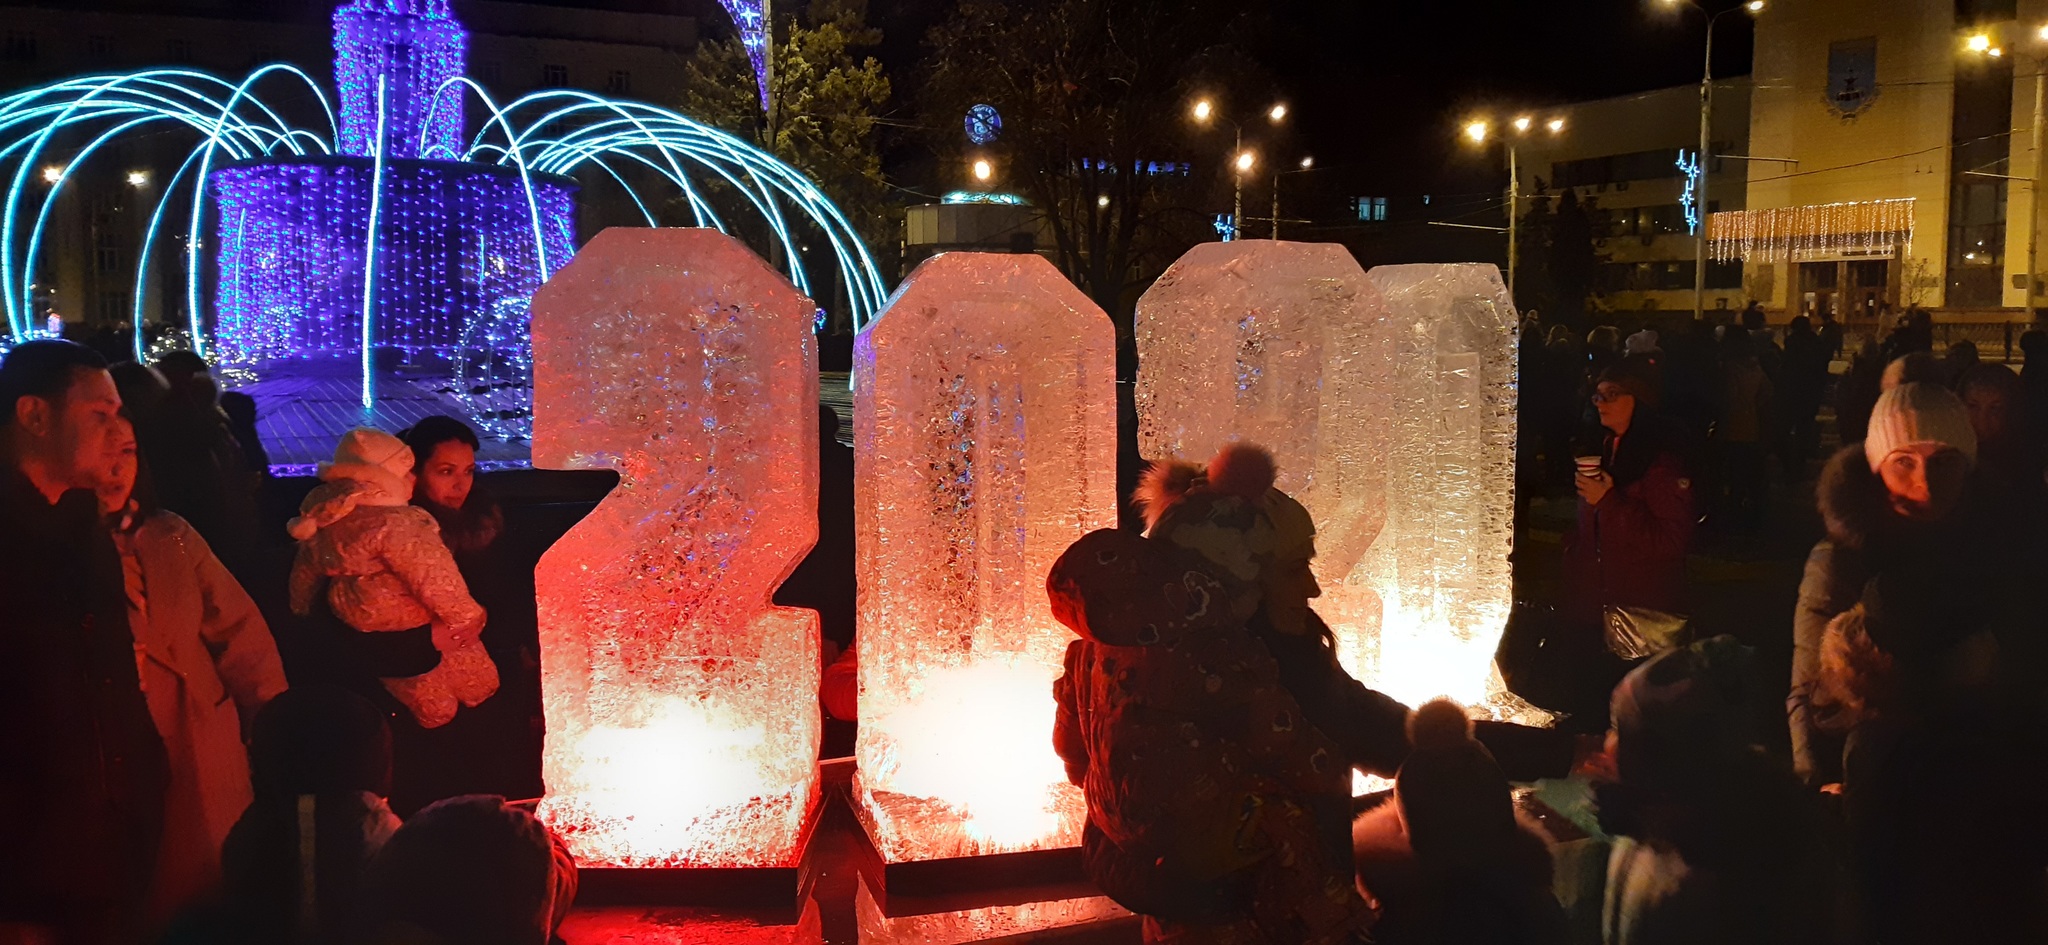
(1815, 231)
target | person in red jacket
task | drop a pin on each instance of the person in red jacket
(1635, 516)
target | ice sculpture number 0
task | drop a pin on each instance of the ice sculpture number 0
(984, 425)
(681, 705)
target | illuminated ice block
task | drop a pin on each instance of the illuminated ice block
(1388, 400)
(1444, 386)
(682, 707)
(984, 444)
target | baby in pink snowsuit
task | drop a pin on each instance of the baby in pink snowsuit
(387, 571)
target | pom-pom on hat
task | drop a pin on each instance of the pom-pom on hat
(1229, 513)
(1453, 796)
(1912, 414)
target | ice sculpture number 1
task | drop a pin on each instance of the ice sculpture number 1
(984, 444)
(681, 705)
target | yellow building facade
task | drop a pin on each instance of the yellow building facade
(1898, 137)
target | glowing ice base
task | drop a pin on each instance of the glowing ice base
(984, 444)
(1389, 400)
(976, 925)
(682, 707)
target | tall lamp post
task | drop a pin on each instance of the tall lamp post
(1706, 155)
(1981, 43)
(1307, 164)
(1477, 131)
(1241, 160)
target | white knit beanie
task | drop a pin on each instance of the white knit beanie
(1918, 413)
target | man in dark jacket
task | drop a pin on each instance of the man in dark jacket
(84, 770)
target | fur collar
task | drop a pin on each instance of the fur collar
(1852, 500)
(1858, 514)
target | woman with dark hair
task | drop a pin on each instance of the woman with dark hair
(495, 748)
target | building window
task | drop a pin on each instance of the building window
(1373, 209)
(490, 73)
(553, 76)
(107, 254)
(178, 51)
(114, 307)
(1724, 274)
(620, 82)
(99, 46)
(18, 46)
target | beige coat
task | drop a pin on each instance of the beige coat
(207, 663)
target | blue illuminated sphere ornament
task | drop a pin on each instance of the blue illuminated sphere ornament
(984, 124)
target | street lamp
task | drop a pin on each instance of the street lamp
(1706, 157)
(1477, 130)
(983, 170)
(1204, 111)
(1981, 43)
(138, 178)
(1307, 164)
(52, 174)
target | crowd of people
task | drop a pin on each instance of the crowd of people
(228, 732)
(178, 772)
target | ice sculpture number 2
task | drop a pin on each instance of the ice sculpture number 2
(682, 706)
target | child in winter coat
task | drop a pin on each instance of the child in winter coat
(1448, 858)
(388, 575)
(1202, 771)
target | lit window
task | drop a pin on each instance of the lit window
(1372, 209)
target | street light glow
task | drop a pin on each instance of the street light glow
(1278, 114)
(52, 174)
(1245, 160)
(1476, 131)
(1754, 6)
(1308, 162)
(1981, 42)
(983, 170)
(1556, 125)
(2044, 31)
(1996, 52)
(1102, 201)
(1203, 109)
(1522, 123)
(137, 178)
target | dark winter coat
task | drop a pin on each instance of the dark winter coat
(1630, 549)
(84, 776)
(1505, 899)
(1978, 545)
(1170, 712)
(1738, 855)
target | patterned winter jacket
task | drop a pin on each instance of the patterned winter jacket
(1174, 719)
(382, 560)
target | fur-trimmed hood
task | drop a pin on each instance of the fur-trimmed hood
(1857, 513)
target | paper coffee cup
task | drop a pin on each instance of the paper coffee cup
(1588, 465)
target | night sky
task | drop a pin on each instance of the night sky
(1380, 87)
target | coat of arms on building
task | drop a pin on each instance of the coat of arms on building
(1852, 76)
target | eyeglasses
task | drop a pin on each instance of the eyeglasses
(1610, 396)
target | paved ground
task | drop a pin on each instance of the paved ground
(301, 414)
